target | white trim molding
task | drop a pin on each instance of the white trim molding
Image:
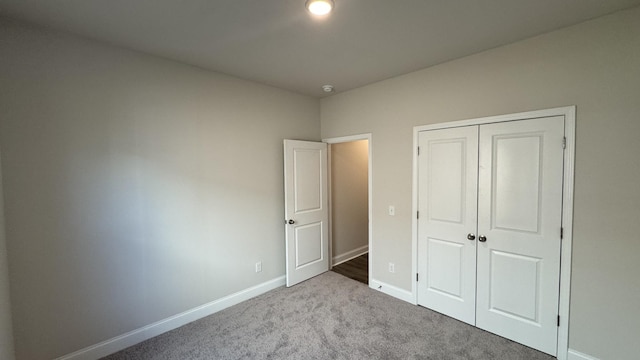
(339, 259)
(567, 226)
(569, 113)
(391, 290)
(576, 355)
(147, 332)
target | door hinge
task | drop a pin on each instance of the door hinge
(417, 214)
(561, 233)
(418, 150)
(564, 142)
(417, 277)
(558, 320)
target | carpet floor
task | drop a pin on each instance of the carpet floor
(327, 317)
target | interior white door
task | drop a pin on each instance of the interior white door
(447, 203)
(505, 181)
(519, 224)
(306, 210)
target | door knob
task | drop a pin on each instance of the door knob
(291, 221)
(482, 238)
(471, 236)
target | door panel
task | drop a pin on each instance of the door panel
(306, 205)
(446, 180)
(447, 201)
(519, 212)
(445, 267)
(307, 179)
(308, 244)
(515, 274)
(516, 182)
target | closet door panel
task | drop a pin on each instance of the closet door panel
(447, 202)
(519, 214)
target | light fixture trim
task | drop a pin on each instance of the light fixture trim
(327, 88)
(319, 7)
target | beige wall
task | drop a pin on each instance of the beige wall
(6, 333)
(349, 196)
(594, 65)
(135, 188)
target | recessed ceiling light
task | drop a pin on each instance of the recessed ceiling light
(319, 7)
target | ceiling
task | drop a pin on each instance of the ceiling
(278, 43)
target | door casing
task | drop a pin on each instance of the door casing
(569, 113)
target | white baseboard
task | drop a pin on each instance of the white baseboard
(147, 332)
(339, 259)
(576, 355)
(391, 290)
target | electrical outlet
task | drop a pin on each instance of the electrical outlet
(259, 266)
(392, 267)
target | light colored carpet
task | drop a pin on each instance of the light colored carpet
(327, 317)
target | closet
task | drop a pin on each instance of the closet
(489, 222)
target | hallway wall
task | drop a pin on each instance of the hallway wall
(349, 198)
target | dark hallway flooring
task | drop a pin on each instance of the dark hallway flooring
(356, 268)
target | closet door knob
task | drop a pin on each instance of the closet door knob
(471, 236)
(482, 238)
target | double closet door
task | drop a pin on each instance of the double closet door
(489, 227)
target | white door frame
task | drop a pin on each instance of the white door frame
(344, 139)
(569, 113)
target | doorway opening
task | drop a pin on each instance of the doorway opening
(349, 204)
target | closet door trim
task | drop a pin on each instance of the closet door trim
(569, 113)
